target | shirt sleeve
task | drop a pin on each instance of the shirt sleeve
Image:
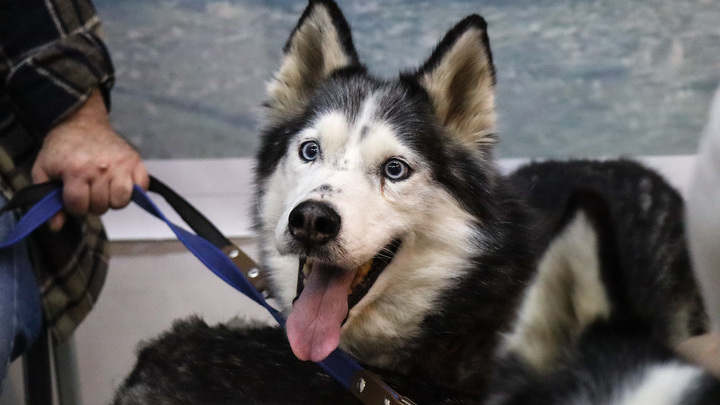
(51, 58)
(703, 217)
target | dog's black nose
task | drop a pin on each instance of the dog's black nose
(313, 223)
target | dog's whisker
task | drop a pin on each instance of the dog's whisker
(260, 212)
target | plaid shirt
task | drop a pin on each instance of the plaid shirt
(51, 58)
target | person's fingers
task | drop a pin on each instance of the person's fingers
(703, 350)
(99, 195)
(120, 191)
(140, 176)
(98, 167)
(38, 175)
(76, 195)
(57, 221)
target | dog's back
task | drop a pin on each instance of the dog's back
(647, 216)
(582, 337)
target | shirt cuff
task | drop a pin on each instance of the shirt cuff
(51, 84)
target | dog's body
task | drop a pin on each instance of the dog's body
(617, 350)
(387, 230)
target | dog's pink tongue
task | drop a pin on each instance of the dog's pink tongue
(313, 327)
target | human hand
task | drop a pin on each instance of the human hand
(97, 167)
(703, 350)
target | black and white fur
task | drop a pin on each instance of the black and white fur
(604, 351)
(353, 168)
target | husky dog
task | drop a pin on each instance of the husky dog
(387, 230)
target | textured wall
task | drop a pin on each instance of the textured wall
(576, 78)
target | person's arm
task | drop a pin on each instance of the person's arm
(703, 215)
(703, 234)
(51, 58)
(57, 73)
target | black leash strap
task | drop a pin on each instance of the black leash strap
(205, 229)
(30, 195)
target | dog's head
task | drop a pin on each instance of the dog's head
(367, 188)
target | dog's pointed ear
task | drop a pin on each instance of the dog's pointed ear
(319, 44)
(572, 287)
(459, 76)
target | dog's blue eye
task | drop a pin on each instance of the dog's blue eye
(396, 170)
(309, 151)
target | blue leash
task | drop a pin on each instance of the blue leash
(363, 384)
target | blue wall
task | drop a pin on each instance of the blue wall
(575, 78)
